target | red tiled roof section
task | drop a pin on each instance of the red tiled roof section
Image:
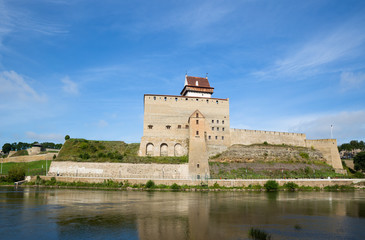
(202, 82)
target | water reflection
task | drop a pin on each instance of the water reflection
(75, 214)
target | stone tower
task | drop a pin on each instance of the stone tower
(198, 152)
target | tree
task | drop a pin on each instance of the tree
(6, 148)
(359, 161)
(67, 137)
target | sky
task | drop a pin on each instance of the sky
(82, 67)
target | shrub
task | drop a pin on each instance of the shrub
(291, 186)
(359, 175)
(84, 145)
(16, 173)
(258, 234)
(265, 143)
(359, 161)
(67, 137)
(216, 185)
(271, 185)
(175, 186)
(304, 155)
(39, 181)
(54, 156)
(150, 184)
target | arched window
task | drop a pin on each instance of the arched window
(149, 149)
(163, 149)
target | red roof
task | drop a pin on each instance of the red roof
(202, 82)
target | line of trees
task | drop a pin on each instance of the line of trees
(352, 145)
(16, 146)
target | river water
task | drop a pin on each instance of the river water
(31, 213)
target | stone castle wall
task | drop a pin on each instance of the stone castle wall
(118, 170)
(248, 137)
(166, 123)
(328, 148)
(32, 158)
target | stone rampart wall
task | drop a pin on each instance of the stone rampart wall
(329, 149)
(248, 137)
(46, 156)
(118, 170)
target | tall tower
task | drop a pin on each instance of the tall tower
(197, 87)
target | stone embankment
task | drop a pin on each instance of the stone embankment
(268, 153)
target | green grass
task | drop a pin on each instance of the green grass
(32, 168)
(82, 150)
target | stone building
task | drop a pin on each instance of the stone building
(197, 124)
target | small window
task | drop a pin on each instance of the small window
(222, 121)
(197, 132)
(154, 98)
(217, 128)
(209, 137)
(197, 121)
(212, 128)
(217, 121)
(197, 115)
(223, 129)
(176, 99)
(187, 126)
(207, 101)
(222, 137)
(150, 126)
(216, 137)
(165, 98)
(197, 165)
(186, 99)
(179, 126)
(212, 121)
(168, 126)
(197, 99)
(216, 101)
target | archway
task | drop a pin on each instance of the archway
(178, 150)
(163, 149)
(149, 149)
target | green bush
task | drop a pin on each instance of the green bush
(39, 181)
(291, 186)
(67, 137)
(271, 185)
(359, 175)
(258, 234)
(150, 184)
(265, 143)
(304, 155)
(359, 161)
(175, 186)
(16, 173)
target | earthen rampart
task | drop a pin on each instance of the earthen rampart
(46, 156)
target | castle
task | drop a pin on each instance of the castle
(196, 124)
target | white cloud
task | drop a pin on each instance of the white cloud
(44, 137)
(102, 123)
(351, 80)
(309, 58)
(13, 88)
(69, 86)
(346, 125)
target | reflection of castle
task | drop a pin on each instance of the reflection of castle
(194, 123)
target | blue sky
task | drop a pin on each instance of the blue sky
(81, 67)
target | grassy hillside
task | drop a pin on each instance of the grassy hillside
(31, 168)
(20, 153)
(82, 150)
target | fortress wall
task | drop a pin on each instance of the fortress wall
(248, 137)
(118, 170)
(329, 149)
(161, 111)
(32, 158)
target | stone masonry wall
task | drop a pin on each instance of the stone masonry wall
(248, 137)
(329, 149)
(118, 170)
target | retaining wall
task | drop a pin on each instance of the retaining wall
(118, 170)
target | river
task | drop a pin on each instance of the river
(32, 213)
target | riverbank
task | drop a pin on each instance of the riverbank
(196, 185)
